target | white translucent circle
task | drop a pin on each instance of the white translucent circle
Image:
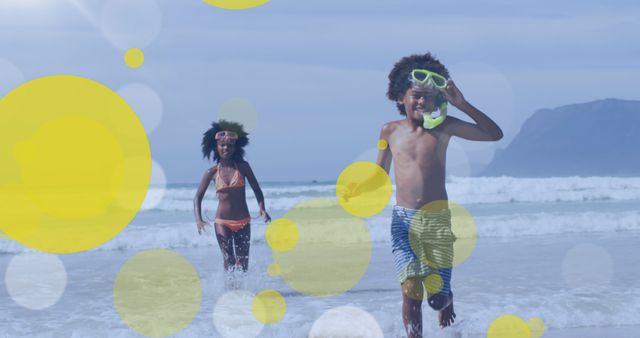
(239, 110)
(458, 163)
(346, 321)
(157, 187)
(36, 280)
(145, 102)
(128, 24)
(10, 77)
(233, 315)
(490, 90)
(587, 265)
(369, 155)
(487, 88)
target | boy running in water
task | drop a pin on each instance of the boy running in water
(420, 85)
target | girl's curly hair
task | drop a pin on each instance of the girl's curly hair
(210, 145)
(399, 76)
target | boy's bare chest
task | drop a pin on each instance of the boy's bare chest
(412, 146)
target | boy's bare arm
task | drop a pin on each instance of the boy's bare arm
(485, 128)
(384, 154)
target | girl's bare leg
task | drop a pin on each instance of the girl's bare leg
(242, 243)
(225, 240)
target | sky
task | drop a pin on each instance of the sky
(309, 77)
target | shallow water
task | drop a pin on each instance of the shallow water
(570, 263)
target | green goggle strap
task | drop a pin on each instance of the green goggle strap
(432, 122)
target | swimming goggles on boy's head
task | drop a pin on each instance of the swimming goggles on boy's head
(427, 78)
(226, 135)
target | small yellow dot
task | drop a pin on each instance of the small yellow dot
(273, 269)
(134, 57)
(282, 234)
(269, 306)
(383, 144)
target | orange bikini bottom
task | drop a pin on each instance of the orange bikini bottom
(234, 224)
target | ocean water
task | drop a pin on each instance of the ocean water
(560, 249)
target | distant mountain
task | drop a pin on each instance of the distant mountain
(600, 138)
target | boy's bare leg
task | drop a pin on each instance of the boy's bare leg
(412, 293)
(446, 316)
(444, 305)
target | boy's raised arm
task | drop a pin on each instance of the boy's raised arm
(485, 128)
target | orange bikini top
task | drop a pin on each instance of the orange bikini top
(237, 181)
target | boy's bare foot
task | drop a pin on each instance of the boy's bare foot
(446, 316)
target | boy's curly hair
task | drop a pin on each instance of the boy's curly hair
(399, 76)
(210, 145)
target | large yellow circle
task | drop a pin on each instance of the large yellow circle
(157, 293)
(363, 189)
(332, 253)
(236, 4)
(66, 145)
(508, 326)
(268, 306)
(437, 243)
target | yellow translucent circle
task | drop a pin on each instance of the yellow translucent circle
(282, 234)
(157, 293)
(363, 189)
(65, 142)
(433, 284)
(536, 326)
(333, 250)
(438, 242)
(240, 110)
(134, 57)
(273, 269)
(508, 326)
(236, 4)
(383, 144)
(269, 306)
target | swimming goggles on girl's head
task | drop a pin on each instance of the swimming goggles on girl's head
(226, 135)
(423, 77)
